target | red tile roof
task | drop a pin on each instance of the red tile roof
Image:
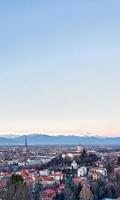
(77, 180)
(49, 193)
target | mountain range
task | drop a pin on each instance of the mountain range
(42, 139)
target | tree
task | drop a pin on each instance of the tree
(22, 194)
(73, 197)
(110, 190)
(86, 193)
(16, 189)
(109, 168)
(98, 189)
(68, 187)
(84, 153)
(118, 179)
(38, 188)
(118, 162)
(59, 196)
(16, 179)
(76, 190)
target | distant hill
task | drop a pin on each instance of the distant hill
(36, 139)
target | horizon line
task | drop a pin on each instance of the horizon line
(59, 134)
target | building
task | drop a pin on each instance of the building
(33, 162)
(25, 149)
(79, 148)
(44, 172)
(102, 171)
(48, 194)
(57, 176)
(74, 165)
(82, 171)
(78, 181)
(96, 176)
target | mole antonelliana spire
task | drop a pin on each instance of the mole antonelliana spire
(26, 142)
(25, 149)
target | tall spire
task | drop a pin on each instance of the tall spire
(26, 145)
(26, 141)
(26, 149)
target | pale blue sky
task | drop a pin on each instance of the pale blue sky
(60, 66)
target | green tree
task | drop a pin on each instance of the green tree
(86, 193)
(76, 190)
(16, 179)
(73, 197)
(16, 189)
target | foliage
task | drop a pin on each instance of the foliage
(16, 179)
(16, 189)
(86, 194)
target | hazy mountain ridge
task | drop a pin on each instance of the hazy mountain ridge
(36, 139)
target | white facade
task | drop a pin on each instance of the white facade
(45, 160)
(74, 165)
(63, 155)
(44, 172)
(70, 155)
(57, 176)
(82, 171)
(34, 162)
(79, 148)
(102, 171)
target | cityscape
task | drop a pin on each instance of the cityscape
(58, 172)
(60, 100)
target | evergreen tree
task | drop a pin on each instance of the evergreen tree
(16, 189)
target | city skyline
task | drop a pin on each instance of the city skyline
(59, 67)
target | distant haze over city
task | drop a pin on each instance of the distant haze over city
(87, 135)
(44, 139)
(60, 67)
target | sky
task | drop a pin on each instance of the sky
(60, 67)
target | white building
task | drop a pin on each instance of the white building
(82, 171)
(79, 148)
(45, 160)
(44, 172)
(31, 162)
(57, 176)
(74, 165)
(103, 171)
